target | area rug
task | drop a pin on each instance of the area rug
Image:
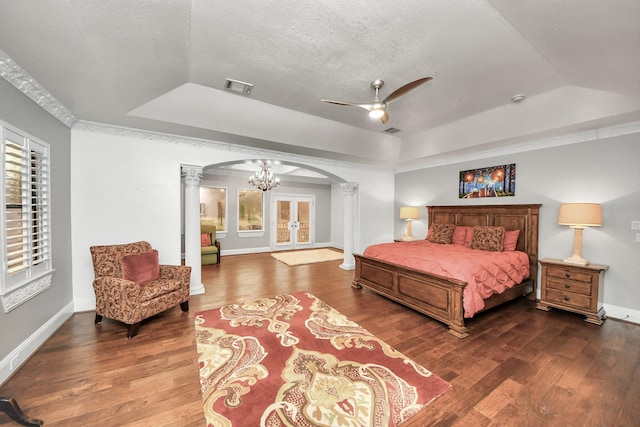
(292, 360)
(307, 257)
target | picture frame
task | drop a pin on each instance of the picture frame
(491, 181)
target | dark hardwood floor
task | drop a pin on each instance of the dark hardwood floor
(520, 366)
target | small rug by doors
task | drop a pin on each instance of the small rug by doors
(307, 256)
(293, 360)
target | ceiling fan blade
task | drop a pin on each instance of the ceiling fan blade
(349, 104)
(384, 117)
(405, 89)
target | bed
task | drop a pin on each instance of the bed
(442, 298)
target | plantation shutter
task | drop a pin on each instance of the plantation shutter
(26, 166)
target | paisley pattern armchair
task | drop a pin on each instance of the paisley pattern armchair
(119, 297)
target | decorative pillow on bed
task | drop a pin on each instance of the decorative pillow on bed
(440, 233)
(510, 240)
(487, 238)
(461, 235)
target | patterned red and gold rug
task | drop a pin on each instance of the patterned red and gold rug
(292, 360)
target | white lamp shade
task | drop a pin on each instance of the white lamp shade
(580, 215)
(409, 212)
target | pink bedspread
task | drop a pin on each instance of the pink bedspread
(486, 273)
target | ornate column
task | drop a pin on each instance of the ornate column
(192, 175)
(349, 190)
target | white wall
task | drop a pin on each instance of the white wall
(603, 171)
(125, 186)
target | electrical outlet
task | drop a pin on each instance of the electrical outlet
(635, 225)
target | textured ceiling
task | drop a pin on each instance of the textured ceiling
(161, 66)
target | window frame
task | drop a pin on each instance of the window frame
(25, 235)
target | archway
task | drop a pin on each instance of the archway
(194, 174)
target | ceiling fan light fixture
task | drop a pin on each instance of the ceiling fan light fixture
(376, 113)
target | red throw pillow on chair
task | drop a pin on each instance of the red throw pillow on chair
(205, 239)
(141, 268)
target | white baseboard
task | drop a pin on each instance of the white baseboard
(622, 313)
(244, 251)
(14, 360)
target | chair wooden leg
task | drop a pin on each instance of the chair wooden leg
(133, 330)
(98, 319)
(184, 306)
(9, 406)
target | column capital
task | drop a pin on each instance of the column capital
(349, 187)
(192, 174)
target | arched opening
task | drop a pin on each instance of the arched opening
(333, 197)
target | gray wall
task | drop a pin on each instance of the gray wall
(232, 243)
(603, 171)
(22, 322)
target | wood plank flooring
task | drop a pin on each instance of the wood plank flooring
(520, 366)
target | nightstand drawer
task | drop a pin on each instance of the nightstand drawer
(567, 285)
(565, 273)
(568, 298)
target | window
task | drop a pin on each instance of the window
(250, 209)
(26, 246)
(213, 206)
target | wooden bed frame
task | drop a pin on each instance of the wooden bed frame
(439, 297)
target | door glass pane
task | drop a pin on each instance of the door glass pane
(284, 214)
(303, 222)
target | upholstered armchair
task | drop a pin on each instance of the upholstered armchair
(131, 286)
(210, 246)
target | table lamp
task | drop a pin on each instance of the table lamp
(409, 213)
(579, 216)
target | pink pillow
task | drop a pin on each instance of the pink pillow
(141, 268)
(205, 239)
(461, 236)
(510, 240)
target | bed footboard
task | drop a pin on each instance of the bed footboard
(437, 297)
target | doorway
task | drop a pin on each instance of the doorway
(294, 222)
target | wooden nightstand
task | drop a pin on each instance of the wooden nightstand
(577, 288)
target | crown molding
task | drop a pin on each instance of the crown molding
(18, 77)
(539, 144)
(258, 153)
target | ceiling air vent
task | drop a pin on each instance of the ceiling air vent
(392, 131)
(238, 86)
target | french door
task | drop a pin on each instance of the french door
(294, 218)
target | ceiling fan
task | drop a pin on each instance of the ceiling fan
(378, 109)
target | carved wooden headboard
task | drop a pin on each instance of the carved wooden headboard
(511, 217)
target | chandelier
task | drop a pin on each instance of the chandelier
(264, 179)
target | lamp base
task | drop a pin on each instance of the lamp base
(575, 259)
